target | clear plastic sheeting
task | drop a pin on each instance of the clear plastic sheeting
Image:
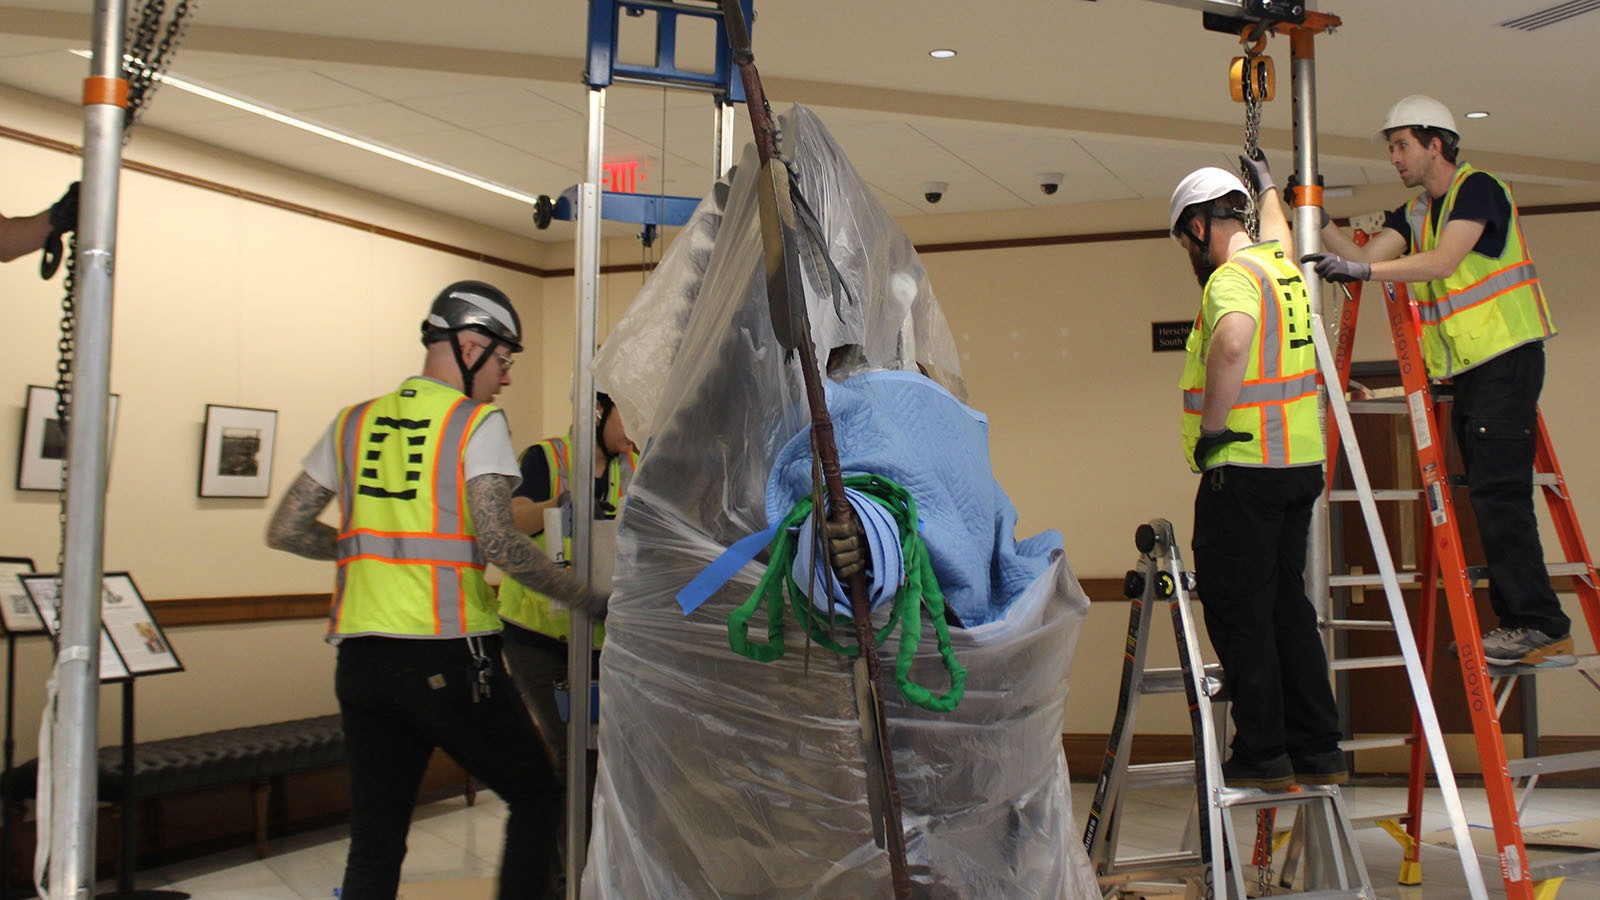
(726, 778)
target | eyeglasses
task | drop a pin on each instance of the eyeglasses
(505, 361)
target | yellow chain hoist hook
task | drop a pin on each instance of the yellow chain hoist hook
(1253, 71)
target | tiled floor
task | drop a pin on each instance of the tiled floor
(452, 842)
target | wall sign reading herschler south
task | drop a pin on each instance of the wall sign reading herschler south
(1168, 336)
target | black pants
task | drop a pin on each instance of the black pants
(1494, 417)
(1250, 531)
(402, 698)
(536, 663)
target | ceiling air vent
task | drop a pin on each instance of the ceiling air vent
(1551, 16)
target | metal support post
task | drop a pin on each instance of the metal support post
(586, 273)
(1308, 239)
(722, 130)
(75, 743)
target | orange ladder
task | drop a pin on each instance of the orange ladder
(1444, 564)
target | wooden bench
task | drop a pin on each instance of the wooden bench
(252, 755)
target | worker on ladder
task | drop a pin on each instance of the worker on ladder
(1484, 322)
(1250, 427)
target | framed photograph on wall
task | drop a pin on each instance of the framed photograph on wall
(236, 456)
(44, 441)
(16, 610)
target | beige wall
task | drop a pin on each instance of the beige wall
(224, 301)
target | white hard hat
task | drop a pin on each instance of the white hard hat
(1417, 111)
(1199, 186)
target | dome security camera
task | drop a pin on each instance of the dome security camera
(1050, 182)
(933, 191)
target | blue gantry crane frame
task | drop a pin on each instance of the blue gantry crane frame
(604, 68)
(586, 204)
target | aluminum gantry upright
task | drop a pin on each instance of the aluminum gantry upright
(604, 67)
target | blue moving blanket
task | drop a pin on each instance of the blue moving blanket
(907, 428)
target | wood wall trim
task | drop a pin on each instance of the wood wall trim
(284, 205)
(238, 610)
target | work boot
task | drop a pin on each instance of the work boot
(1324, 767)
(1488, 636)
(1527, 647)
(1273, 773)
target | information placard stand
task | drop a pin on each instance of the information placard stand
(18, 618)
(132, 646)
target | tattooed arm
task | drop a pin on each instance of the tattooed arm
(294, 526)
(489, 499)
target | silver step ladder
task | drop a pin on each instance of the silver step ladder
(1321, 854)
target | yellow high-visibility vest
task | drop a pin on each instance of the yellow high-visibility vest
(1277, 404)
(530, 609)
(1488, 305)
(409, 564)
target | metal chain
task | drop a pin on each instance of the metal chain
(148, 60)
(67, 347)
(1252, 135)
(140, 39)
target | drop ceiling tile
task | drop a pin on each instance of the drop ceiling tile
(487, 108)
(297, 90)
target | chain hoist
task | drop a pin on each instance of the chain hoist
(1251, 83)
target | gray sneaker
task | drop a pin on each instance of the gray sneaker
(1488, 638)
(1526, 647)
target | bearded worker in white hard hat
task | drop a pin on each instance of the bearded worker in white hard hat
(1459, 245)
(1250, 428)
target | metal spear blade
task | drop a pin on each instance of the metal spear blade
(786, 294)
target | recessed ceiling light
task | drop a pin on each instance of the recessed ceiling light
(1478, 114)
(941, 53)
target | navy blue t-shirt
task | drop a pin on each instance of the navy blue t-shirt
(1480, 200)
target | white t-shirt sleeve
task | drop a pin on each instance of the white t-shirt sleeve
(322, 464)
(489, 451)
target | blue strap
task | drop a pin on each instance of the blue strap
(723, 568)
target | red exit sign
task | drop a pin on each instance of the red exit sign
(624, 177)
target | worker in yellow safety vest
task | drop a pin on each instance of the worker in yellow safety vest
(1484, 320)
(536, 630)
(1250, 427)
(423, 476)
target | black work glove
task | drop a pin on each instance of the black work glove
(1256, 164)
(1212, 441)
(64, 212)
(1332, 267)
(63, 219)
(845, 548)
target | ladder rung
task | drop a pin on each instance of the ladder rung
(1307, 793)
(1375, 743)
(1170, 680)
(1366, 662)
(1163, 774)
(1394, 407)
(1352, 894)
(1361, 624)
(1164, 865)
(1565, 866)
(1372, 821)
(1575, 569)
(1369, 580)
(1554, 762)
(1382, 495)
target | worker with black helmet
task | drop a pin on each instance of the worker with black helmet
(1484, 323)
(1250, 428)
(424, 476)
